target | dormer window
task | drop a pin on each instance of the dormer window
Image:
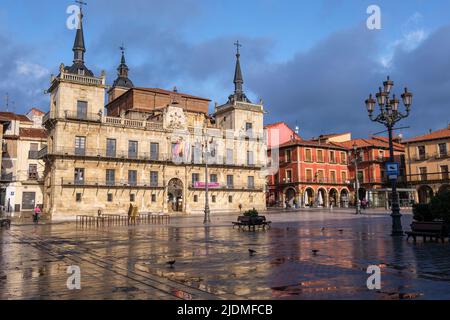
(81, 72)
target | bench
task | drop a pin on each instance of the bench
(252, 222)
(432, 230)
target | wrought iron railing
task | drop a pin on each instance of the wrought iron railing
(111, 183)
(429, 177)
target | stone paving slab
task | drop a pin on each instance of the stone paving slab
(130, 262)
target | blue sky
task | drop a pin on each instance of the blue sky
(313, 62)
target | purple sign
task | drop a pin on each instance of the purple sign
(203, 185)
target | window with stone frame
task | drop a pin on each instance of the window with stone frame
(111, 148)
(444, 172)
(132, 177)
(308, 155)
(309, 175)
(110, 177)
(320, 176)
(154, 151)
(80, 146)
(288, 176)
(320, 155)
(251, 182)
(343, 176)
(333, 176)
(343, 158)
(153, 178)
(442, 147)
(332, 156)
(287, 156)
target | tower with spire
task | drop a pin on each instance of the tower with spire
(242, 117)
(76, 90)
(238, 94)
(79, 49)
(123, 83)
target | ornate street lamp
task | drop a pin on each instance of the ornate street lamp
(207, 218)
(355, 160)
(389, 115)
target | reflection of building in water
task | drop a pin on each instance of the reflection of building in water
(147, 146)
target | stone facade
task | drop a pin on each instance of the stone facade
(22, 171)
(427, 163)
(170, 179)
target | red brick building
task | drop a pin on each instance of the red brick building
(321, 171)
(373, 156)
(311, 173)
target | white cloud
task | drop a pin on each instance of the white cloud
(412, 36)
(33, 70)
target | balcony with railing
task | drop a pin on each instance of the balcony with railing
(83, 116)
(423, 178)
(7, 177)
(225, 186)
(119, 155)
(33, 154)
(421, 157)
(103, 183)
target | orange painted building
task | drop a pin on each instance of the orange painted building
(321, 171)
(311, 173)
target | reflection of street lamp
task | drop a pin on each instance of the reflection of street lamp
(389, 116)
(355, 160)
(207, 218)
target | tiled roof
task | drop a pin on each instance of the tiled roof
(369, 143)
(310, 143)
(33, 133)
(13, 116)
(162, 91)
(270, 125)
(439, 134)
(36, 111)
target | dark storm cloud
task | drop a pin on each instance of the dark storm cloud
(324, 89)
(159, 57)
(426, 71)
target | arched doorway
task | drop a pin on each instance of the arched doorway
(425, 194)
(175, 195)
(290, 197)
(444, 188)
(321, 198)
(344, 198)
(334, 197)
(308, 197)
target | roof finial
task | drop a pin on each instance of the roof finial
(122, 48)
(122, 72)
(238, 45)
(78, 47)
(238, 79)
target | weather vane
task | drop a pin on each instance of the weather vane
(81, 3)
(238, 45)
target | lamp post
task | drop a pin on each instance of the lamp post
(207, 218)
(389, 115)
(357, 202)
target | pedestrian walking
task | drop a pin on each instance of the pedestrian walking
(37, 214)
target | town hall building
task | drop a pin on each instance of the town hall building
(148, 147)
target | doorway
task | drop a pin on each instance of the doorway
(175, 195)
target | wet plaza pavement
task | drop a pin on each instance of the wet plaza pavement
(130, 262)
